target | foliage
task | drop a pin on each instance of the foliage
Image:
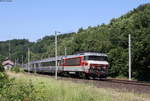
(18, 49)
(1, 67)
(31, 88)
(4, 83)
(18, 92)
(3, 79)
(16, 69)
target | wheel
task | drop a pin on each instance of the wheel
(83, 75)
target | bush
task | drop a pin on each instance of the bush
(16, 69)
(19, 91)
(3, 79)
(5, 82)
(1, 68)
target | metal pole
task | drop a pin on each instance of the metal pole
(56, 70)
(35, 68)
(129, 57)
(56, 55)
(22, 61)
(28, 59)
(15, 62)
(65, 51)
(9, 50)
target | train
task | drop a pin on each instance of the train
(83, 65)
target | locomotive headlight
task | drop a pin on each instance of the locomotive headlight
(85, 63)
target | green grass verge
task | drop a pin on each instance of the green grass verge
(31, 88)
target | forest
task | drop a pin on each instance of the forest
(111, 39)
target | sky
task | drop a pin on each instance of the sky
(34, 19)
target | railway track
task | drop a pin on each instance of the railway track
(122, 85)
(129, 82)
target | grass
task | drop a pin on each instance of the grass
(31, 88)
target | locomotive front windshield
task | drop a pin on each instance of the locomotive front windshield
(96, 58)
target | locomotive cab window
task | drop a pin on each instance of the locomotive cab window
(96, 58)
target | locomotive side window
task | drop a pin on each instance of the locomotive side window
(96, 58)
(73, 62)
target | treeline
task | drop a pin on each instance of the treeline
(111, 39)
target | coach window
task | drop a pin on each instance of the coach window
(37, 65)
(52, 63)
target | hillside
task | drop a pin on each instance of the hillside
(111, 39)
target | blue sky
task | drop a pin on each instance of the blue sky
(34, 19)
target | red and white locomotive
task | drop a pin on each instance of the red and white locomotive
(85, 65)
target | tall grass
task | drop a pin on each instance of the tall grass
(31, 88)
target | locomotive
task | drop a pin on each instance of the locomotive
(84, 65)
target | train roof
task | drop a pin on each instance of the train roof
(69, 56)
(93, 53)
(86, 54)
(47, 60)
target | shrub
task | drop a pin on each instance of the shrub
(4, 83)
(18, 91)
(16, 69)
(1, 68)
